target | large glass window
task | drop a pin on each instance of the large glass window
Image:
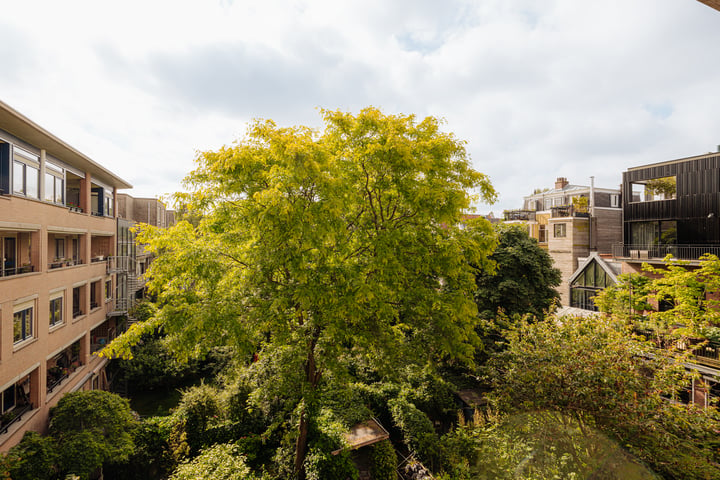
(54, 191)
(591, 280)
(23, 324)
(26, 173)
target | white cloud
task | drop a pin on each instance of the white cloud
(538, 89)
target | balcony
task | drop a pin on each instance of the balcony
(705, 352)
(64, 262)
(62, 366)
(519, 215)
(561, 211)
(647, 252)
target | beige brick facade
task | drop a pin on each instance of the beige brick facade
(57, 290)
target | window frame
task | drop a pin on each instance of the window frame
(54, 297)
(24, 159)
(26, 324)
(560, 230)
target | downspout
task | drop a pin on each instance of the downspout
(592, 211)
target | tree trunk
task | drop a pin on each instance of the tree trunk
(301, 445)
(312, 376)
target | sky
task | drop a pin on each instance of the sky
(538, 89)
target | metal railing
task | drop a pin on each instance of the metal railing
(10, 271)
(704, 352)
(655, 251)
(523, 215)
(16, 416)
(560, 211)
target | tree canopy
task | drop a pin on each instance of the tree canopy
(315, 246)
(596, 372)
(93, 427)
(524, 281)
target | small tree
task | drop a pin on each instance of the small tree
(91, 427)
(524, 280)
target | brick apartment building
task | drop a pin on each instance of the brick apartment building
(58, 277)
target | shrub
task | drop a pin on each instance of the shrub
(384, 461)
(34, 458)
(417, 429)
(219, 462)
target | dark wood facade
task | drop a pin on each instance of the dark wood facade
(695, 208)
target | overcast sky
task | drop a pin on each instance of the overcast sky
(537, 88)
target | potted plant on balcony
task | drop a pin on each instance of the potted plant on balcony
(7, 418)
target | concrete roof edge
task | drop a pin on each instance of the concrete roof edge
(27, 130)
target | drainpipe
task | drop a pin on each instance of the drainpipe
(592, 211)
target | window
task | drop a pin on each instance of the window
(78, 300)
(95, 294)
(542, 233)
(8, 398)
(26, 173)
(56, 309)
(23, 323)
(59, 248)
(614, 200)
(54, 190)
(663, 188)
(108, 205)
(108, 289)
(559, 230)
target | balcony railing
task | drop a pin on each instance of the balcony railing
(522, 215)
(9, 271)
(704, 352)
(68, 262)
(12, 416)
(118, 264)
(560, 211)
(658, 252)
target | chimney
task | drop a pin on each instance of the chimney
(561, 183)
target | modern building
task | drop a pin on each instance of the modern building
(58, 240)
(570, 221)
(712, 3)
(670, 208)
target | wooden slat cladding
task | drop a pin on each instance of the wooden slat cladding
(696, 207)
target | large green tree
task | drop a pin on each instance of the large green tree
(524, 281)
(314, 246)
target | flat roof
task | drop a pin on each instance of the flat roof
(711, 3)
(22, 127)
(670, 162)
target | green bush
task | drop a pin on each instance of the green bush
(199, 410)
(219, 462)
(34, 458)
(384, 461)
(152, 457)
(417, 429)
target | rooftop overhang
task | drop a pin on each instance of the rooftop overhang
(711, 3)
(22, 127)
